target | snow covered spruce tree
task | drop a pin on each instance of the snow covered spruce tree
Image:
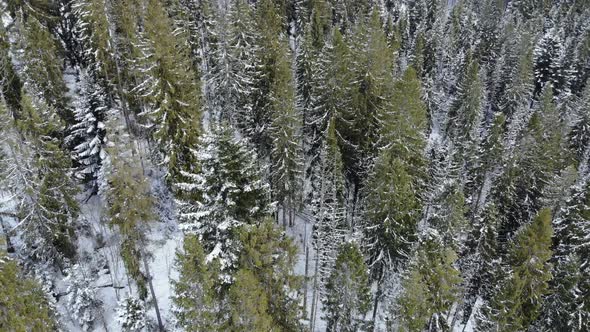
(48, 209)
(567, 305)
(88, 134)
(10, 82)
(92, 32)
(329, 210)
(225, 195)
(348, 294)
(42, 71)
(130, 204)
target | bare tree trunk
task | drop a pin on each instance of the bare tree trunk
(315, 296)
(284, 207)
(305, 280)
(376, 304)
(149, 278)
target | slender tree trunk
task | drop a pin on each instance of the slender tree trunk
(305, 281)
(315, 296)
(284, 214)
(376, 304)
(149, 277)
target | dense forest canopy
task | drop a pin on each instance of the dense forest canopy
(294, 165)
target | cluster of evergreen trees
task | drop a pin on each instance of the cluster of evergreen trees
(440, 149)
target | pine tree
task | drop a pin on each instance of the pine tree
(25, 306)
(42, 72)
(404, 124)
(519, 300)
(392, 203)
(92, 31)
(392, 213)
(372, 68)
(194, 292)
(285, 153)
(225, 195)
(248, 304)
(567, 304)
(130, 206)
(329, 209)
(539, 158)
(430, 288)
(579, 137)
(270, 256)
(348, 298)
(170, 90)
(244, 55)
(465, 116)
(548, 63)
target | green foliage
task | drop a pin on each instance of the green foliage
(393, 211)
(270, 256)
(194, 292)
(130, 205)
(519, 300)
(430, 288)
(50, 211)
(43, 71)
(248, 304)
(23, 302)
(349, 296)
(170, 89)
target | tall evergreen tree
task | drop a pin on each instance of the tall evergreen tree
(519, 300)
(88, 134)
(227, 193)
(348, 298)
(270, 256)
(194, 292)
(430, 288)
(170, 90)
(43, 72)
(48, 209)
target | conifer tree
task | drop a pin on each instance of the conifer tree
(227, 193)
(170, 90)
(392, 203)
(519, 300)
(48, 208)
(248, 304)
(329, 209)
(348, 298)
(10, 83)
(244, 55)
(539, 158)
(194, 292)
(465, 116)
(130, 205)
(372, 69)
(270, 256)
(25, 306)
(92, 31)
(88, 134)
(567, 304)
(392, 212)
(285, 153)
(430, 287)
(43, 72)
